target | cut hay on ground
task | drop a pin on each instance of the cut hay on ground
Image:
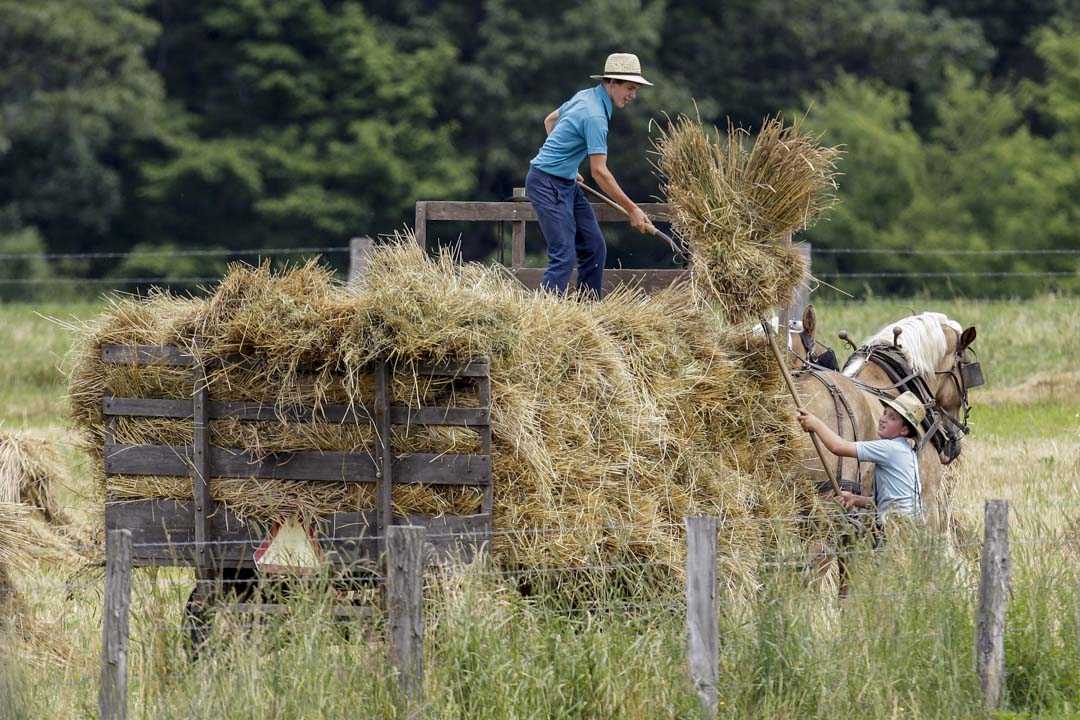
(31, 470)
(612, 421)
(732, 207)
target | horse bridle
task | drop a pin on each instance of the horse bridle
(965, 375)
(943, 430)
(824, 359)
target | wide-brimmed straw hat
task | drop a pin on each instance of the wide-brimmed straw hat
(623, 66)
(909, 408)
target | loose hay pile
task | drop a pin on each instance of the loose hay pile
(30, 471)
(732, 207)
(620, 417)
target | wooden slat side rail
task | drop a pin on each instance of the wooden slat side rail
(477, 367)
(488, 505)
(200, 477)
(408, 468)
(218, 409)
(163, 534)
(146, 355)
(384, 457)
(520, 211)
(649, 281)
(178, 357)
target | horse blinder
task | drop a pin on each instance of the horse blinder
(973, 375)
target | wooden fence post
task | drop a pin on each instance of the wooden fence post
(405, 599)
(112, 702)
(517, 237)
(359, 254)
(783, 316)
(993, 602)
(703, 644)
(802, 292)
(420, 225)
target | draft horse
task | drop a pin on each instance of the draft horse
(928, 354)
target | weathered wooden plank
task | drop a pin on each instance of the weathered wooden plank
(993, 604)
(405, 602)
(200, 476)
(408, 468)
(703, 642)
(517, 237)
(420, 225)
(146, 355)
(488, 504)
(360, 250)
(520, 211)
(399, 415)
(112, 700)
(384, 453)
(163, 534)
(477, 367)
(441, 469)
(650, 281)
(464, 417)
(146, 407)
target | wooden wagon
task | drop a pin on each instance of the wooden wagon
(201, 534)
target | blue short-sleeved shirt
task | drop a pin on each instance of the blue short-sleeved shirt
(581, 130)
(896, 475)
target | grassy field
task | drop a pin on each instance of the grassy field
(899, 647)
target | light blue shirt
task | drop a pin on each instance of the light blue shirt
(896, 475)
(581, 130)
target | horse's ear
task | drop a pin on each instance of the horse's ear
(809, 321)
(966, 339)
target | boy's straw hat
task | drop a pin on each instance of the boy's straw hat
(623, 66)
(909, 408)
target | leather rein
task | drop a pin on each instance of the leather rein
(942, 429)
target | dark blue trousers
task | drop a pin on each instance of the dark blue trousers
(571, 231)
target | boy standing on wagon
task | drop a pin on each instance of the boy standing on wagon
(896, 464)
(579, 127)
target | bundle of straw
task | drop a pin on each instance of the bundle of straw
(30, 471)
(611, 421)
(25, 539)
(732, 206)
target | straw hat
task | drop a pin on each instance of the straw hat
(623, 66)
(909, 408)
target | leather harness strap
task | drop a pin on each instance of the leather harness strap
(842, 409)
(892, 362)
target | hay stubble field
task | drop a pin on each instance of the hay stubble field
(900, 647)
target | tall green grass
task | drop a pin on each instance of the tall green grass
(899, 646)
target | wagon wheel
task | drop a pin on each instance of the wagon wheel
(239, 585)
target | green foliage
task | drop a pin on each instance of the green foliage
(753, 57)
(274, 123)
(160, 262)
(307, 125)
(1059, 47)
(75, 94)
(980, 180)
(30, 269)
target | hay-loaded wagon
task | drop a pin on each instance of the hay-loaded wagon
(201, 534)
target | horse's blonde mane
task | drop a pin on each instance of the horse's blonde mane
(922, 341)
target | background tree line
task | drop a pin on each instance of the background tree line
(157, 125)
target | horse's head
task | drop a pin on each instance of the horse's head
(802, 341)
(928, 354)
(956, 374)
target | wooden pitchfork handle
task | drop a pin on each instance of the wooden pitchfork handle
(799, 405)
(649, 227)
